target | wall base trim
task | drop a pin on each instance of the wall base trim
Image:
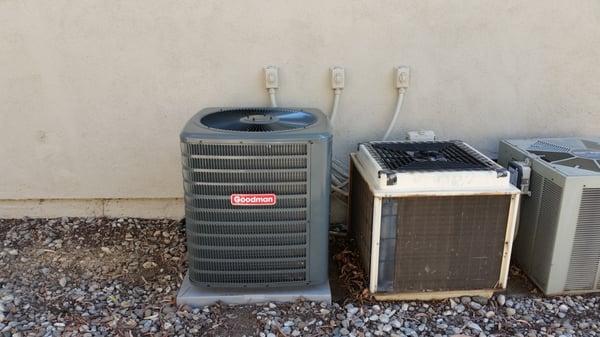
(169, 208)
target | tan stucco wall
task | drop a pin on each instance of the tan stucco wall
(93, 93)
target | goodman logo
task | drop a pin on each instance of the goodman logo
(253, 199)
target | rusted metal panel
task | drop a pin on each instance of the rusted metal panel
(450, 242)
(361, 216)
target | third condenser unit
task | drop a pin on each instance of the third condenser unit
(558, 240)
(432, 219)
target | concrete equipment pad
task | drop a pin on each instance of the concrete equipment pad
(195, 296)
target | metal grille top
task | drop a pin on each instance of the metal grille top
(259, 119)
(428, 156)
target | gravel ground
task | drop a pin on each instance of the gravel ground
(119, 277)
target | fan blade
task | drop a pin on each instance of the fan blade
(553, 156)
(590, 145)
(267, 119)
(586, 164)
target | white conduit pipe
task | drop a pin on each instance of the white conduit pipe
(401, 92)
(272, 97)
(336, 102)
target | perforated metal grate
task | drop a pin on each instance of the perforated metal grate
(428, 156)
(246, 245)
(541, 145)
(586, 157)
(585, 256)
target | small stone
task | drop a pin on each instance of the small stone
(481, 300)
(465, 300)
(62, 281)
(490, 314)
(149, 264)
(270, 334)
(475, 306)
(396, 324)
(387, 328)
(295, 333)
(13, 252)
(510, 311)
(563, 308)
(105, 250)
(474, 326)
(344, 331)
(459, 308)
(272, 306)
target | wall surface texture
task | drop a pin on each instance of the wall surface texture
(93, 94)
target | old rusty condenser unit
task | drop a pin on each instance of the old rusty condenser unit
(432, 219)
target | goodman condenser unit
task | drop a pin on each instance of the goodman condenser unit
(558, 239)
(432, 219)
(256, 184)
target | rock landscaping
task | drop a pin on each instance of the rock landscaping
(119, 277)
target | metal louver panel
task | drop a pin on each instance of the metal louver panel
(244, 150)
(244, 228)
(247, 245)
(545, 232)
(249, 265)
(289, 188)
(242, 176)
(530, 210)
(217, 202)
(585, 256)
(224, 240)
(250, 163)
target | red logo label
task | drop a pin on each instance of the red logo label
(253, 199)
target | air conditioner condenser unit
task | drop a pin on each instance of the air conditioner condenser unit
(558, 238)
(256, 183)
(432, 219)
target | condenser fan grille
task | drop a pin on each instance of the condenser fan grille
(428, 156)
(586, 156)
(258, 119)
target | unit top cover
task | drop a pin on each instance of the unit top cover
(428, 156)
(430, 166)
(256, 123)
(570, 156)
